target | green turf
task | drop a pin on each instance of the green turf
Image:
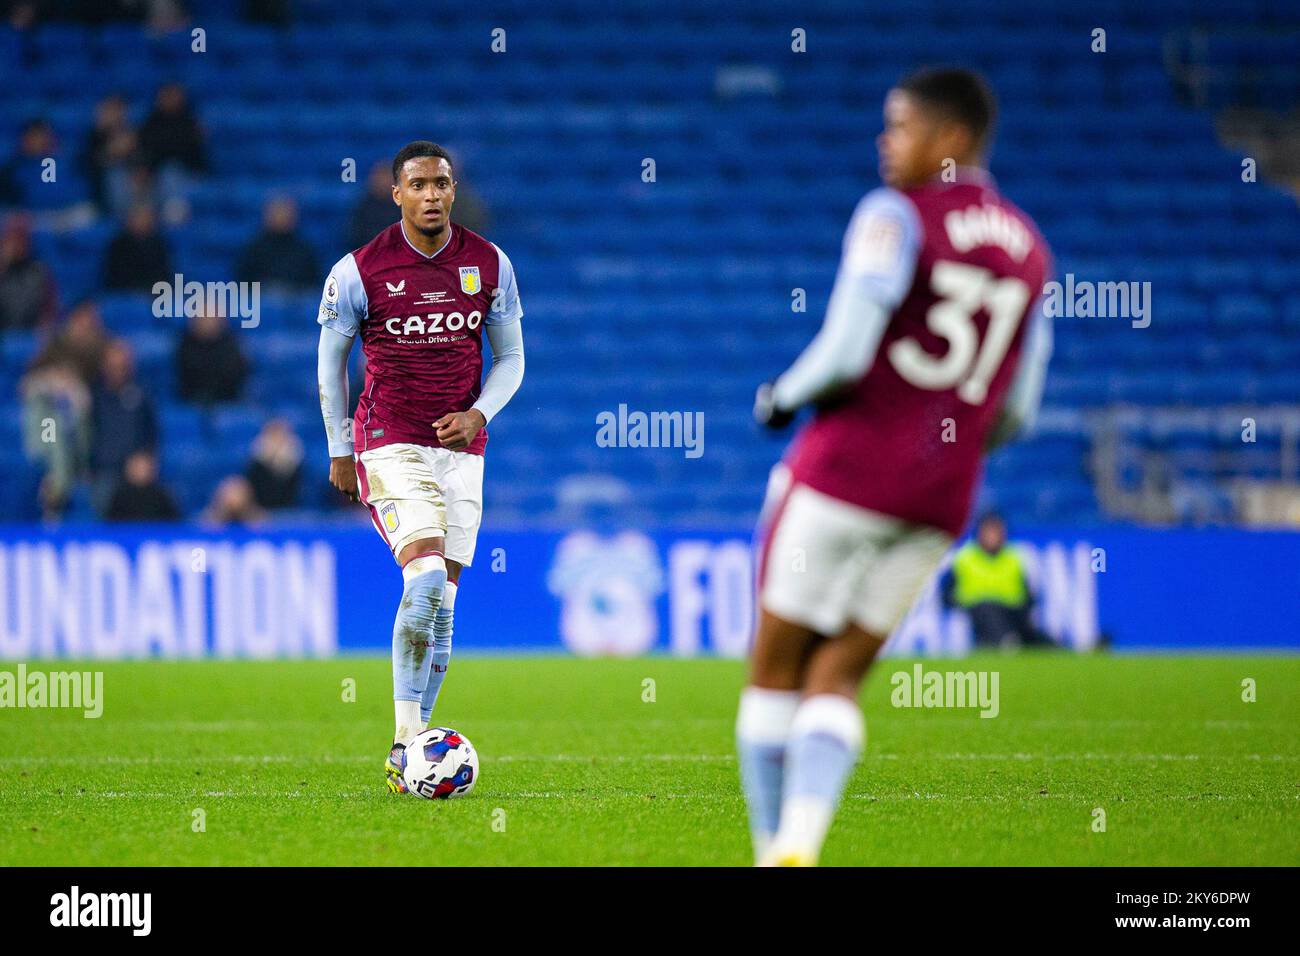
(580, 770)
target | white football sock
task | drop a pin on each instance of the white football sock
(826, 737)
(407, 713)
(762, 726)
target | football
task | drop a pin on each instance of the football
(440, 764)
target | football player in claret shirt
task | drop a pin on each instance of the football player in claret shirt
(933, 348)
(421, 295)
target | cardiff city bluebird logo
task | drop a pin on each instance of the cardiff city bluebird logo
(607, 588)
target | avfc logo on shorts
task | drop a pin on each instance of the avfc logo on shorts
(469, 280)
(388, 513)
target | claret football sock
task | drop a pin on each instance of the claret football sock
(413, 644)
(826, 737)
(442, 626)
(762, 726)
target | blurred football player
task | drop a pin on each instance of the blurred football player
(931, 350)
(421, 295)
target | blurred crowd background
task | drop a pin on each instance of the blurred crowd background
(257, 149)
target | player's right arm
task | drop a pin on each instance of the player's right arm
(1025, 396)
(342, 310)
(876, 269)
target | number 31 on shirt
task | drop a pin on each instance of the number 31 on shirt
(968, 364)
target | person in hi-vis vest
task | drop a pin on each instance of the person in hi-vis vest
(987, 580)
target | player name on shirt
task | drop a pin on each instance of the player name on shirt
(987, 225)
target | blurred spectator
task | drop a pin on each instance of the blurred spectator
(989, 582)
(57, 405)
(21, 14)
(210, 366)
(79, 344)
(278, 255)
(275, 471)
(274, 13)
(470, 210)
(137, 257)
(171, 141)
(29, 180)
(124, 420)
(233, 503)
(172, 134)
(139, 495)
(109, 158)
(165, 16)
(20, 176)
(376, 210)
(91, 12)
(27, 294)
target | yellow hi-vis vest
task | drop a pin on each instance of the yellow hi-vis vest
(980, 577)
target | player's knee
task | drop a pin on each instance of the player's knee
(425, 580)
(422, 547)
(781, 652)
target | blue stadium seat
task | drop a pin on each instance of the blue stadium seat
(677, 294)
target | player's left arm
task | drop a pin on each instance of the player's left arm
(505, 335)
(1025, 396)
(876, 270)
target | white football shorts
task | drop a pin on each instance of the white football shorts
(828, 563)
(417, 491)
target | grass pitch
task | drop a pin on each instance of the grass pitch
(578, 768)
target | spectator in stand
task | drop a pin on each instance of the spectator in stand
(470, 210)
(171, 133)
(21, 15)
(79, 343)
(110, 158)
(273, 13)
(233, 503)
(376, 210)
(123, 420)
(139, 495)
(89, 12)
(210, 365)
(172, 143)
(27, 295)
(40, 179)
(279, 256)
(56, 397)
(275, 471)
(137, 257)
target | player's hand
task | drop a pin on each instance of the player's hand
(343, 476)
(457, 429)
(765, 411)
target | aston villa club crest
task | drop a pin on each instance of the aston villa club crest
(389, 514)
(469, 280)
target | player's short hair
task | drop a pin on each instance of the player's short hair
(417, 150)
(958, 94)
